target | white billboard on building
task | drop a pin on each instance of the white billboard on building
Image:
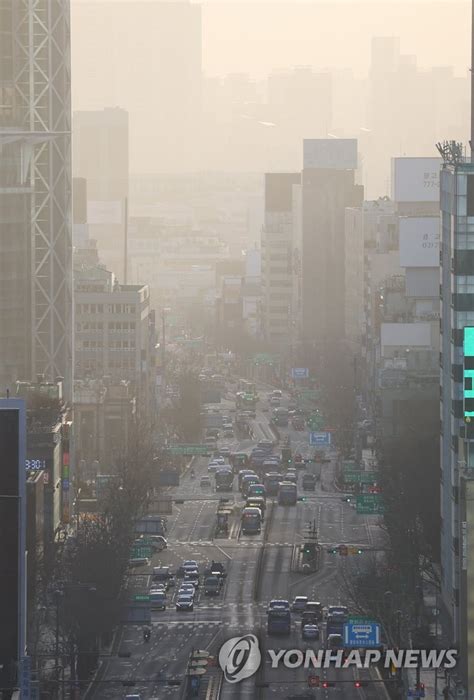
(334, 154)
(104, 212)
(419, 241)
(415, 179)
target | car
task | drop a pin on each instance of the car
(224, 451)
(212, 585)
(309, 482)
(192, 578)
(185, 602)
(205, 482)
(212, 432)
(299, 603)
(210, 440)
(256, 490)
(227, 425)
(191, 562)
(213, 466)
(310, 632)
(278, 603)
(161, 574)
(217, 459)
(228, 432)
(334, 641)
(275, 401)
(338, 609)
(290, 476)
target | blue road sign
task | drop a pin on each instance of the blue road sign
(300, 373)
(321, 439)
(417, 693)
(362, 634)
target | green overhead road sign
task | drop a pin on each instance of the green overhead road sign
(348, 466)
(357, 477)
(370, 504)
(315, 422)
(140, 552)
(141, 598)
(309, 394)
(183, 449)
(264, 358)
(360, 621)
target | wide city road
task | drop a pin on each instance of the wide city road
(259, 569)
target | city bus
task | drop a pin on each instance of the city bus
(224, 479)
(279, 621)
(287, 494)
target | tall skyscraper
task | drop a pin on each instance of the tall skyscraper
(35, 192)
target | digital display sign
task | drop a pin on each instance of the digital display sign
(468, 389)
(35, 464)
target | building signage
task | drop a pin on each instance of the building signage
(415, 179)
(419, 241)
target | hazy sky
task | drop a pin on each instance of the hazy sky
(256, 37)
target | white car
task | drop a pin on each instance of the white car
(213, 466)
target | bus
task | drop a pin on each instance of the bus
(247, 387)
(272, 483)
(287, 494)
(245, 401)
(251, 521)
(224, 479)
(279, 621)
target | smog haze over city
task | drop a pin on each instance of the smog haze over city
(236, 349)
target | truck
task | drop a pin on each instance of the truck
(224, 479)
(287, 494)
(279, 621)
(251, 521)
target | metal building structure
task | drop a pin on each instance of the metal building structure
(35, 191)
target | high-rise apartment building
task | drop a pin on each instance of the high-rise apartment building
(35, 192)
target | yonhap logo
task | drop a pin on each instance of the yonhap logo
(240, 658)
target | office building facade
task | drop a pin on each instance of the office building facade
(457, 313)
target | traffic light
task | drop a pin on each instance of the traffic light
(301, 498)
(333, 550)
(328, 684)
(361, 684)
(360, 551)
